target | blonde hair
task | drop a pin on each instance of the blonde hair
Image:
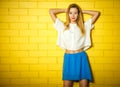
(80, 20)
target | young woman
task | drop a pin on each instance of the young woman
(74, 38)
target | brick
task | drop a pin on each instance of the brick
(19, 40)
(18, 53)
(62, 4)
(40, 26)
(52, 74)
(52, 40)
(8, 4)
(19, 81)
(116, 46)
(111, 11)
(9, 47)
(98, 67)
(60, 60)
(46, 4)
(4, 67)
(13, 46)
(108, 39)
(9, 33)
(43, 33)
(39, 12)
(103, 46)
(4, 53)
(9, 75)
(28, 19)
(20, 26)
(116, 4)
(4, 81)
(116, 33)
(97, 39)
(86, 5)
(116, 60)
(27, 4)
(8, 18)
(98, 26)
(18, 12)
(108, 19)
(111, 67)
(19, 67)
(108, 32)
(107, 26)
(28, 46)
(116, 19)
(38, 39)
(103, 60)
(3, 26)
(55, 53)
(4, 40)
(51, 33)
(3, 11)
(38, 81)
(55, 67)
(47, 60)
(53, 81)
(38, 67)
(29, 74)
(104, 4)
(99, 81)
(44, 19)
(116, 75)
(44, 74)
(47, 46)
(38, 53)
(116, 39)
(111, 53)
(95, 53)
(29, 60)
(28, 33)
(9, 60)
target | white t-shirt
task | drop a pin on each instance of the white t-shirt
(72, 38)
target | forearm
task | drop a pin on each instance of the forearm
(54, 12)
(57, 10)
(90, 12)
(94, 14)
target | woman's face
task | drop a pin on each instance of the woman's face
(73, 15)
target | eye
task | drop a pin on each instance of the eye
(76, 13)
(70, 12)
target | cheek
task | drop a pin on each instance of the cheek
(76, 15)
(70, 15)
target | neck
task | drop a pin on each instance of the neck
(73, 22)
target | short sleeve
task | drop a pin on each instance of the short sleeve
(88, 24)
(59, 25)
(88, 27)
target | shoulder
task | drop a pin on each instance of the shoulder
(88, 24)
(58, 24)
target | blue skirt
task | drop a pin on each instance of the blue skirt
(76, 67)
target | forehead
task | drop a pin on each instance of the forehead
(73, 10)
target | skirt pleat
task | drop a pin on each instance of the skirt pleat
(76, 67)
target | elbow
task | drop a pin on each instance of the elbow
(98, 13)
(50, 11)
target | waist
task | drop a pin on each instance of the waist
(73, 51)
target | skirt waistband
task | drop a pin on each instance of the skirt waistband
(73, 51)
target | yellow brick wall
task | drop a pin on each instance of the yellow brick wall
(29, 56)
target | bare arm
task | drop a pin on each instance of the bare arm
(94, 14)
(54, 12)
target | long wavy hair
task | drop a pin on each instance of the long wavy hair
(79, 21)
